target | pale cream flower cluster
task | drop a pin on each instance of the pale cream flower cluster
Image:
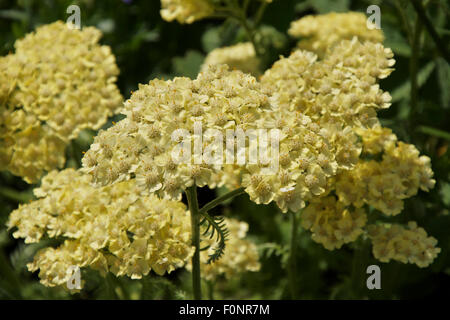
(241, 255)
(186, 11)
(332, 223)
(240, 56)
(407, 244)
(339, 92)
(321, 32)
(58, 82)
(326, 111)
(384, 184)
(110, 229)
(141, 146)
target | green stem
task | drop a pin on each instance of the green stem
(414, 65)
(401, 10)
(260, 13)
(111, 285)
(8, 273)
(434, 132)
(421, 13)
(211, 290)
(251, 35)
(214, 203)
(239, 13)
(191, 194)
(245, 6)
(292, 267)
(20, 197)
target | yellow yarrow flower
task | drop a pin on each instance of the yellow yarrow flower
(58, 82)
(337, 93)
(320, 33)
(331, 223)
(110, 229)
(240, 56)
(186, 11)
(407, 244)
(141, 146)
(340, 94)
(384, 184)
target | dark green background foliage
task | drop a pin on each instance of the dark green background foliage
(147, 47)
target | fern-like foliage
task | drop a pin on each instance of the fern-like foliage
(215, 227)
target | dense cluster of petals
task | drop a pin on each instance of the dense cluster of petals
(320, 32)
(407, 244)
(240, 56)
(58, 82)
(141, 146)
(110, 229)
(186, 11)
(332, 223)
(339, 92)
(384, 184)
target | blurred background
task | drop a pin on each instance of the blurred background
(147, 47)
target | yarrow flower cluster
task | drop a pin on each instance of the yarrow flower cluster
(241, 255)
(332, 223)
(339, 92)
(321, 32)
(186, 11)
(240, 56)
(121, 212)
(46, 97)
(384, 184)
(141, 146)
(110, 229)
(407, 244)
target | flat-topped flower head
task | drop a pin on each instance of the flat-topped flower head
(66, 78)
(384, 184)
(331, 223)
(150, 144)
(58, 82)
(109, 229)
(339, 88)
(338, 94)
(156, 143)
(407, 244)
(186, 11)
(241, 56)
(321, 32)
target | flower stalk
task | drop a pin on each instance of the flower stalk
(421, 14)
(413, 67)
(191, 194)
(292, 264)
(235, 11)
(214, 203)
